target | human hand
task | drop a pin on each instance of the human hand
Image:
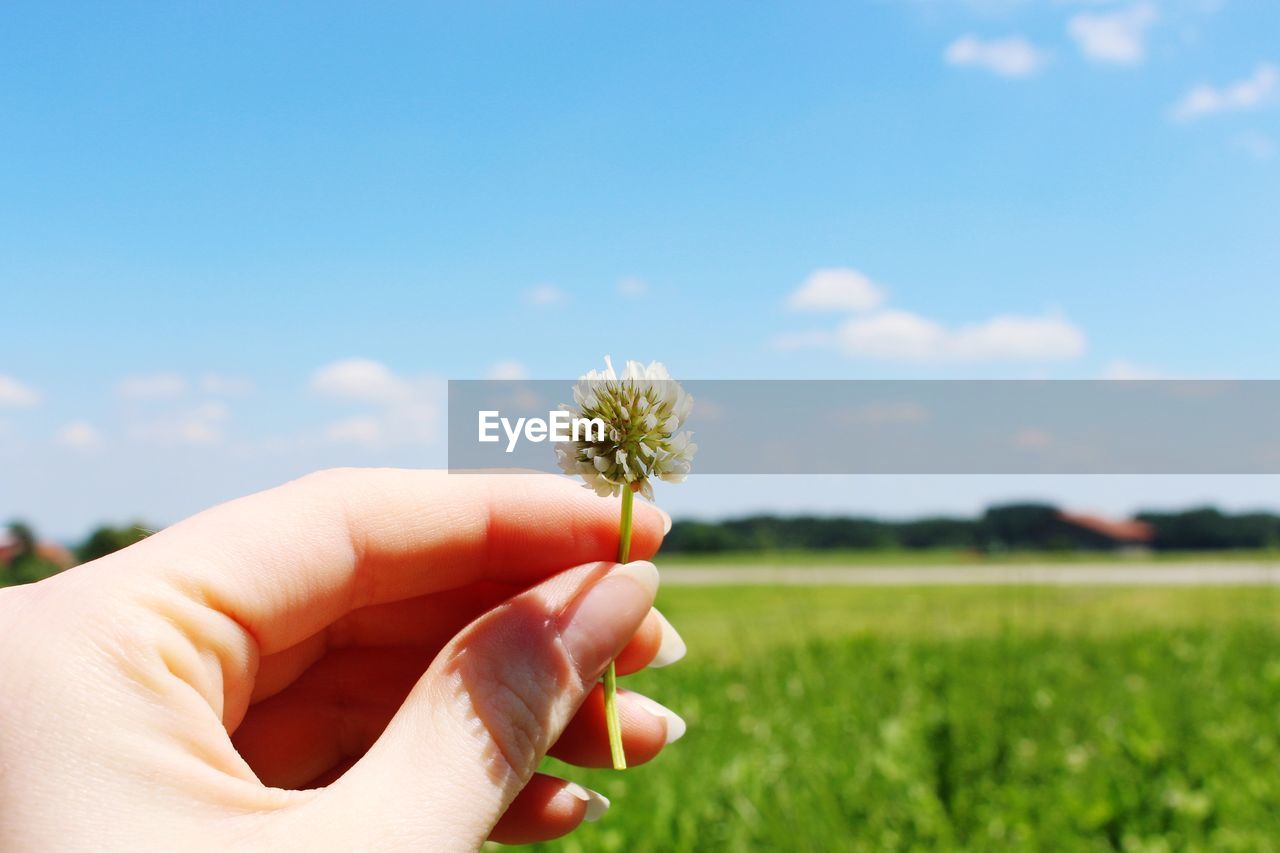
(356, 660)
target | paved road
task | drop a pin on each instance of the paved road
(1045, 574)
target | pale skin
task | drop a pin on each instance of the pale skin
(358, 660)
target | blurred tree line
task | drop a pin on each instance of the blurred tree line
(1021, 526)
(1209, 529)
(24, 557)
(1011, 527)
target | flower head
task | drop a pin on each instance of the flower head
(643, 411)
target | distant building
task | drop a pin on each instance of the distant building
(59, 555)
(11, 547)
(1095, 533)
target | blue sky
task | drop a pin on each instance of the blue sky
(238, 242)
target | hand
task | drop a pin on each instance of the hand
(356, 660)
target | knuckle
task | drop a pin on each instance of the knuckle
(520, 683)
(516, 718)
(325, 479)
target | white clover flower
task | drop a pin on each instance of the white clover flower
(643, 411)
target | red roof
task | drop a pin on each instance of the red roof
(57, 554)
(1121, 531)
(51, 551)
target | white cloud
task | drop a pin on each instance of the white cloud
(903, 336)
(1117, 37)
(1009, 57)
(224, 386)
(1205, 100)
(202, 424)
(359, 379)
(836, 289)
(153, 386)
(508, 370)
(17, 395)
(417, 423)
(544, 294)
(79, 435)
(1019, 338)
(633, 287)
(359, 430)
(411, 423)
(892, 336)
(1259, 146)
(1122, 369)
(406, 410)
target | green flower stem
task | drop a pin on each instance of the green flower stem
(624, 526)
(611, 674)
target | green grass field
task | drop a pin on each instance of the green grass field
(953, 557)
(959, 718)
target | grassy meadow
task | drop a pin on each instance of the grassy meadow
(959, 718)
(907, 558)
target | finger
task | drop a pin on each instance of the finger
(427, 621)
(277, 671)
(475, 726)
(330, 704)
(287, 562)
(331, 775)
(547, 808)
(432, 620)
(647, 727)
(655, 645)
(333, 713)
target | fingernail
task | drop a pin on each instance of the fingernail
(672, 647)
(597, 625)
(642, 572)
(597, 803)
(676, 726)
(666, 520)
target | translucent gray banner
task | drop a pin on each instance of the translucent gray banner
(911, 427)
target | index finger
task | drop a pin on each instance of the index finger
(287, 562)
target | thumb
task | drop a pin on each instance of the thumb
(482, 717)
